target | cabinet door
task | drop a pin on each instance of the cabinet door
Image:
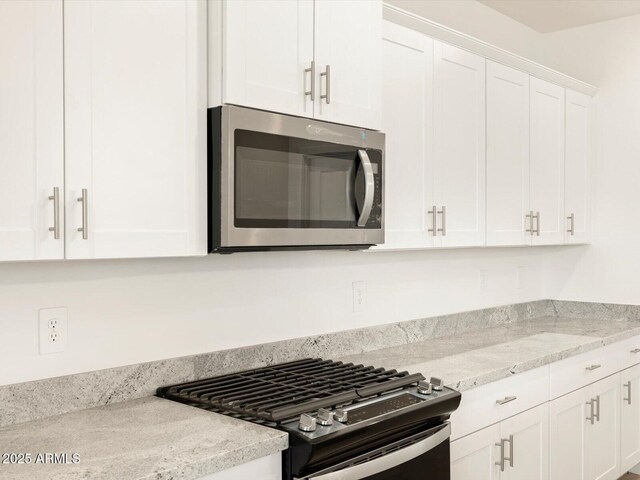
(567, 437)
(31, 132)
(529, 448)
(459, 128)
(507, 155)
(474, 457)
(267, 47)
(135, 111)
(630, 418)
(602, 445)
(576, 168)
(547, 162)
(407, 97)
(348, 43)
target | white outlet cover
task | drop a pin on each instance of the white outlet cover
(359, 296)
(53, 330)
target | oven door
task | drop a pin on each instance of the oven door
(289, 181)
(422, 456)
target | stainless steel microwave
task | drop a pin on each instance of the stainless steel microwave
(284, 182)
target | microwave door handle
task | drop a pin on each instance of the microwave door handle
(369, 188)
(388, 461)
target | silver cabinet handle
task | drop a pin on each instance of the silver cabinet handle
(597, 415)
(628, 397)
(434, 222)
(312, 72)
(537, 217)
(327, 75)
(635, 350)
(510, 457)
(85, 215)
(572, 221)
(443, 212)
(369, 187)
(529, 217)
(56, 213)
(591, 368)
(506, 400)
(502, 459)
(591, 416)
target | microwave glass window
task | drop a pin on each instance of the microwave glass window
(285, 182)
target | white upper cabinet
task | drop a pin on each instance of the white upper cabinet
(135, 134)
(268, 45)
(313, 58)
(576, 168)
(31, 130)
(407, 105)
(507, 155)
(348, 61)
(459, 142)
(547, 162)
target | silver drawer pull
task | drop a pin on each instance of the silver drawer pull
(434, 221)
(443, 212)
(502, 459)
(510, 457)
(572, 223)
(312, 72)
(529, 217)
(506, 400)
(591, 418)
(327, 85)
(635, 350)
(591, 368)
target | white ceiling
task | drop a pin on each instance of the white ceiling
(553, 15)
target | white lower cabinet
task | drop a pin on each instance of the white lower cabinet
(516, 448)
(630, 418)
(585, 433)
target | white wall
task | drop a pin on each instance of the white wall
(129, 311)
(123, 312)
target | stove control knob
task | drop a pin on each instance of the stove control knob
(437, 384)
(307, 423)
(325, 417)
(425, 388)
(341, 416)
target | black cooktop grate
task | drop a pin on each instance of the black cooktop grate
(283, 391)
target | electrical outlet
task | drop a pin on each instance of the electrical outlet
(359, 296)
(53, 330)
(482, 280)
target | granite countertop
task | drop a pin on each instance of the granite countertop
(153, 438)
(474, 358)
(149, 438)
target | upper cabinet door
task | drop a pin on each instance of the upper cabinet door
(31, 129)
(576, 168)
(547, 162)
(348, 62)
(135, 107)
(407, 105)
(507, 155)
(459, 158)
(267, 48)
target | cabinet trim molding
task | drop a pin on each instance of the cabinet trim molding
(491, 52)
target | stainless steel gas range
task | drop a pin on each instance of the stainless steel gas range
(345, 421)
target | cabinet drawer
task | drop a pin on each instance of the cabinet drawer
(492, 403)
(629, 351)
(575, 372)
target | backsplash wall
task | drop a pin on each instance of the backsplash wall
(129, 311)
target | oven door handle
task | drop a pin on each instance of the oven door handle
(389, 461)
(369, 188)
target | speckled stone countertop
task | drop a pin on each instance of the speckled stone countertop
(474, 358)
(149, 438)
